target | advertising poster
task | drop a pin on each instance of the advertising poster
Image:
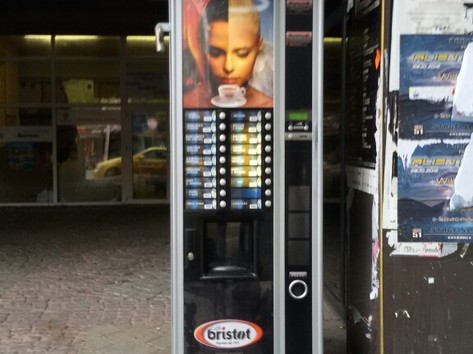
(21, 157)
(426, 17)
(430, 65)
(227, 53)
(435, 155)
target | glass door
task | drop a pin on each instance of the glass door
(147, 92)
(88, 116)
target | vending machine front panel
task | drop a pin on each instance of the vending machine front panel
(242, 190)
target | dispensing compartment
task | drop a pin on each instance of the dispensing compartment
(230, 250)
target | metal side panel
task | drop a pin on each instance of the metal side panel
(176, 176)
(317, 178)
(279, 180)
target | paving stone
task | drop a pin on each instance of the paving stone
(86, 280)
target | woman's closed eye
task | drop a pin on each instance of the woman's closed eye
(215, 52)
(243, 53)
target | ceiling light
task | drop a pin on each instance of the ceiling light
(141, 38)
(76, 37)
(333, 40)
(38, 37)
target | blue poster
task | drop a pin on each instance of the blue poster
(435, 150)
(429, 67)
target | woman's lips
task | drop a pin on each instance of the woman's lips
(228, 81)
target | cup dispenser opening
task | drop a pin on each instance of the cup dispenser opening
(229, 250)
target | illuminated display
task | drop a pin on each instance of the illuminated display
(246, 127)
(200, 204)
(227, 160)
(246, 171)
(201, 138)
(246, 182)
(201, 182)
(244, 149)
(299, 116)
(245, 160)
(201, 127)
(239, 160)
(200, 160)
(252, 139)
(246, 204)
(200, 149)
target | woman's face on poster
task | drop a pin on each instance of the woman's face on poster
(232, 50)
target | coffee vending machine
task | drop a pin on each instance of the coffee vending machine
(246, 172)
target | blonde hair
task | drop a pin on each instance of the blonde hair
(244, 10)
(228, 10)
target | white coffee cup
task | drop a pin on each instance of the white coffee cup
(229, 92)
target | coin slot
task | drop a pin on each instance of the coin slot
(298, 289)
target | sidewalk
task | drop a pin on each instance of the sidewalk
(92, 280)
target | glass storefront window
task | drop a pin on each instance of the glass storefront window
(62, 96)
(35, 116)
(27, 116)
(22, 46)
(88, 82)
(147, 82)
(142, 46)
(150, 155)
(25, 170)
(89, 161)
(26, 139)
(30, 116)
(89, 46)
(25, 82)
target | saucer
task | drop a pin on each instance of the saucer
(223, 103)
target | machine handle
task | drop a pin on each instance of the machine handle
(160, 29)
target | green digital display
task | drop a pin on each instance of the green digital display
(299, 116)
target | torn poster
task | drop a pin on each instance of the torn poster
(427, 181)
(434, 193)
(429, 66)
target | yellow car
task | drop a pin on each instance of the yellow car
(152, 161)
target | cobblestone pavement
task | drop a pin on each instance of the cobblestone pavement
(90, 280)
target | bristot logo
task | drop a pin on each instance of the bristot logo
(228, 334)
